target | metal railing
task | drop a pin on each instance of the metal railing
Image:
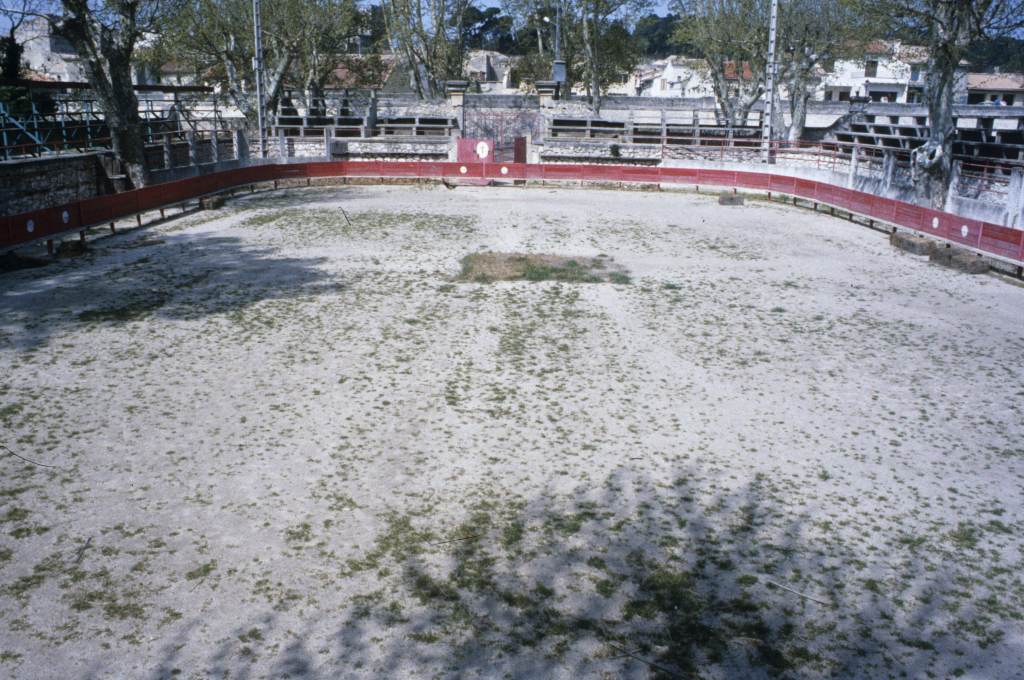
(39, 119)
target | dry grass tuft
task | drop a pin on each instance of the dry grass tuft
(487, 267)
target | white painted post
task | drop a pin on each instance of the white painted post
(193, 156)
(1015, 200)
(851, 181)
(888, 170)
(168, 153)
(240, 144)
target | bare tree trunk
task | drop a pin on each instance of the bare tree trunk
(721, 90)
(590, 50)
(798, 116)
(107, 54)
(799, 94)
(953, 24)
(241, 99)
(273, 93)
(933, 161)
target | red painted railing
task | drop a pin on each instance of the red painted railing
(990, 239)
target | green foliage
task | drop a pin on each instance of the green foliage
(488, 29)
(1003, 52)
(10, 67)
(304, 42)
(656, 36)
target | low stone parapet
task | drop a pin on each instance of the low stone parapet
(558, 150)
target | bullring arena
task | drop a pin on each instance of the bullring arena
(316, 433)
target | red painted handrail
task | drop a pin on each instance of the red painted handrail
(1004, 243)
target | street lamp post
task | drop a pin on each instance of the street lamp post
(558, 66)
(558, 31)
(769, 105)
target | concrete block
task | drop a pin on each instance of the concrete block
(71, 248)
(915, 245)
(730, 199)
(959, 259)
(969, 263)
(212, 202)
(941, 255)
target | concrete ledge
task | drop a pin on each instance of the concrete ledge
(915, 245)
(958, 258)
(212, 202)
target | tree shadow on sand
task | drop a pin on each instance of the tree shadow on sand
(688, 577)
(175, 276)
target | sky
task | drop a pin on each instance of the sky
(659, 7)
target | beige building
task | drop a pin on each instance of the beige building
(997, 89)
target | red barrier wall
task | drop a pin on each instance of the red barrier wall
(984, 237)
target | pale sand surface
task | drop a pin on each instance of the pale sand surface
(287, 445)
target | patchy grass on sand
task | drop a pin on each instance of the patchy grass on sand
(488, 267)
(284, 442)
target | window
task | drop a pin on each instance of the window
(871, 68)
(915, 73)
(844, 95)
(60, 45)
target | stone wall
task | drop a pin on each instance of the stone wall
(401, 107)
(868, 179)
(568, 150)
(391, 148)
(180, 154)
(39, 182)
(361, 148)
(30, 184)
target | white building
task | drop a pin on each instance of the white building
(491, 71)
(889, 72)
(995, 89)
(48, 55)
(673, 77)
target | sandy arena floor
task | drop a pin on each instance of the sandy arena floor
(287, 444)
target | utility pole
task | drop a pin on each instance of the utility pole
(558, 66)
(257, 67)
(558, 31)
(767, 156)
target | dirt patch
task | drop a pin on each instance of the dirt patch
(486, 267)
